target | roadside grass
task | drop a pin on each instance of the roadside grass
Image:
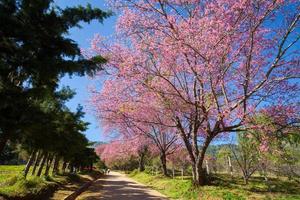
(222, 187)
(173, 188)
(18, 186)
(8, 171)
(13, 184)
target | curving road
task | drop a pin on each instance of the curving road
(116, 186)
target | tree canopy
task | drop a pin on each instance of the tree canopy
(35, 52)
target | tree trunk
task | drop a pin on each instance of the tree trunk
(63, 168)
(3, 140)
(29, 163)
(141, 163)
(71, 168)
(199, 176)
(264, 171)
(55, 165)
(36, 163)
(265, 175)
(246, 179)
(48, 165)
(42, 164)
(163, 161)
(230, 166)
(182, 173)
(195, 153)
(173, 171)
(245, 176)
(207, 167)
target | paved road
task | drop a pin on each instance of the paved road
(116, 186)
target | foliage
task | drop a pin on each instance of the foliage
(246, 153)
(35, 53)
(121, 151)
(278, 143)
(200, 69)
(13, 154)
(179, 158)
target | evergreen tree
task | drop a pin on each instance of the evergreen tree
(35, 52)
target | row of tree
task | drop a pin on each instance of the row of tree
(35, 52)
(68, 145)
(190, 72)
(242, 158)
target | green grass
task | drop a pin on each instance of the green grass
(8, 171)
(221, 188)
(18, 186)
(11, 168)
(173, 188)
(14, 184)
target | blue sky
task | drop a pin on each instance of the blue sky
(82, 37)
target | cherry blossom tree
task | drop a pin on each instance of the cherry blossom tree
(275, 138)
(179, 159)
(131, 117)
(266, 127)
(123, 150)
(207, 66)
(246, 156)
(163, 139)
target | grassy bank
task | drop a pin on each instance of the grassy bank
(18, 187)
(222, 187)
(8, 171)
(13, 185)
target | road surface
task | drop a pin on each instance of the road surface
(116, 186)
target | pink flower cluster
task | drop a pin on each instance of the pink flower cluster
(198, 69)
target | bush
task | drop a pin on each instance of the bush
(148, 170)
(134, 172)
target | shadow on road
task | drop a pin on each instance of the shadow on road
(119, 187)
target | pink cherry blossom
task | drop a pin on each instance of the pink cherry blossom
(198, 69)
